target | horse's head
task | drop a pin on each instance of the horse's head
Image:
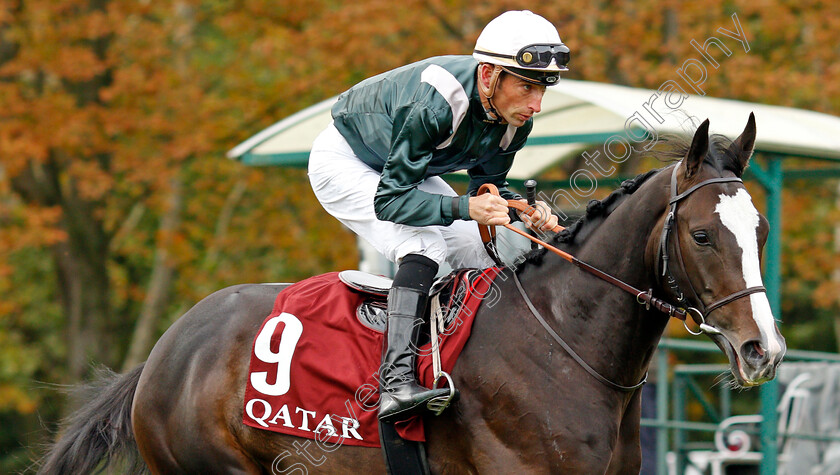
(712, 250)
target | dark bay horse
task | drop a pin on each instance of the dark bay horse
(526, 406)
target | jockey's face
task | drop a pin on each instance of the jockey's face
(517, 100)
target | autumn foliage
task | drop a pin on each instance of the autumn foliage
(118, 210)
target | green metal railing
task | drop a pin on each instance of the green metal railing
(675, 385)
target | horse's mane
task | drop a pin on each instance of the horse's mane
(596, 212)
(675, 149)
(719, 156)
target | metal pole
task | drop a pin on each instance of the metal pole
(678, 400)
(725, 395)
(662, 411)
(769, 393)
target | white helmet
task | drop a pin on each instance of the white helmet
(524, 44)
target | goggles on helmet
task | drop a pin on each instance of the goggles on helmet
(537, 55)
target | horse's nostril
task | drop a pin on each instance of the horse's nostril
(753, 353)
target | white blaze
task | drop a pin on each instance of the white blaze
(740, 217)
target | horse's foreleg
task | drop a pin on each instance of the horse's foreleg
(627, 455)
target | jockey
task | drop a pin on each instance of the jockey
(376, 169)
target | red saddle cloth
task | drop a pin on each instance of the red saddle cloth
(314, 366)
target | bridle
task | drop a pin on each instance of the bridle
(699, 314)
(646, 298)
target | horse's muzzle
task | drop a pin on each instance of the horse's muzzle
(760, 364)
(752, 363)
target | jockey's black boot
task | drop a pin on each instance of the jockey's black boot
(400, 395)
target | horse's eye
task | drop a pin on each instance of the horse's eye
(701, 238)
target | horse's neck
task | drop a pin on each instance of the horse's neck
(604, 322)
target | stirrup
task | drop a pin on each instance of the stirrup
(439, 404)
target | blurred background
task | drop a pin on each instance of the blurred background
(119, 210)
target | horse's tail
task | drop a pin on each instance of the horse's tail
(100, 432)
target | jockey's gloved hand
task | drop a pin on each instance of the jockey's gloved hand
(489, 209)
(542, 219)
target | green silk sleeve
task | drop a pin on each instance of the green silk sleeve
(417, 130)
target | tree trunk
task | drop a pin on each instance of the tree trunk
(80, 262)
(223, 223)
(160, 283)
(84, 289)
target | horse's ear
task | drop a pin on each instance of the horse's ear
(742, 147)
(698, 150)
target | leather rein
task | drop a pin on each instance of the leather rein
(646, 298)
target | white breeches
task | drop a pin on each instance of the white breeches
(346, 186)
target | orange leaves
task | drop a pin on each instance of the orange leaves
(89, 180)
(16, 399)
(18, 149)
(811, 261)
(75, 64)
(30, 226)
(827, 294)
(54, 39)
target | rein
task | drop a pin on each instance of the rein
(488, 234)
(646, 298)
(569, 350)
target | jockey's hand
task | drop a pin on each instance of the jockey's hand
(489, 209)
(542, 219)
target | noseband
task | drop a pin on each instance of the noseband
(700, 314)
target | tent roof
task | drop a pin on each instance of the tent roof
(578, 114)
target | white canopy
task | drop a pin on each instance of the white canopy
(578, 114)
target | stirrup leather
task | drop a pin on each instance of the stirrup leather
(437, 324)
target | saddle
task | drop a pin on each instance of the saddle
(372, 312)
